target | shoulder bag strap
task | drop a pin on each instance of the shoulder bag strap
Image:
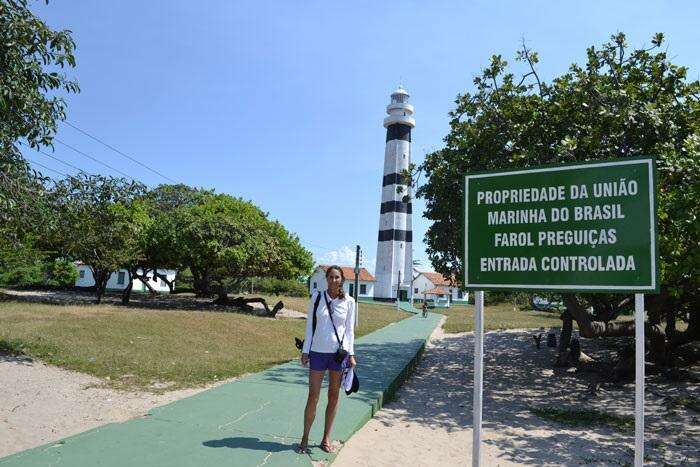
(313, 329)
(330, 315)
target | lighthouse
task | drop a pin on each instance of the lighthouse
(394, 268)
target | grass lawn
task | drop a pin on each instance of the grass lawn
(460, 318)
(136, 348)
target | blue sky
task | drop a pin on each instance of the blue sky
(281, 102)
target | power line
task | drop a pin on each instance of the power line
(81, 153)
(61, 161)
(47, 168)
(119, 152)
(94, 159)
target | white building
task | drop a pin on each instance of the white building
(118, 280)
(318, 281)
(434, 286)
(395, 240)
(426, 285)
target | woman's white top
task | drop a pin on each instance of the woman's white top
(324, 339)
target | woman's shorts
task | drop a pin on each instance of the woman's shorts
(320, 361)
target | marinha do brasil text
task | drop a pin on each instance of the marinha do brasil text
(591, 237)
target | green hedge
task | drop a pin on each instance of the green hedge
(289, 288)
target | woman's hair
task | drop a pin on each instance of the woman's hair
(341, 293)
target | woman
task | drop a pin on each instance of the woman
(334, 330)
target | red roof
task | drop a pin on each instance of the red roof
(438, 279)
(349, 273)
(436, 291)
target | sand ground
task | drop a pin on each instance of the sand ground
(41, 403)
(429, 422)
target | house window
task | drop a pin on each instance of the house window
(82, 274)
(155, 279)
(314, 285)
(460, 294)
(352, 289)
(415, 290)
(363, 289)
(120, 277)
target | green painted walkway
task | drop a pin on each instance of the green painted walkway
(253, 421)
(405, 306)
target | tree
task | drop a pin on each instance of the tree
(165, 197)
(99, 221)
(225, 240)
(162, 241)
(620, 103)
(31, 59)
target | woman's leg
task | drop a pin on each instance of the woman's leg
(315, 380)
(334, 380)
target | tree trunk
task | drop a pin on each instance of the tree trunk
(169, 283)
(201, 282)
(244, 304)
(670, 324)
(654, 336)
(126, 294)
(144, 279)
(589, 328)
(101, 277)
(222, 295)
(565, 339)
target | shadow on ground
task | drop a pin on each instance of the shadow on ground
(138, 300)
(519, 378)
(248, 443)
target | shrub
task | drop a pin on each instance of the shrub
(62, 273)
(21, 267)
(271, 286)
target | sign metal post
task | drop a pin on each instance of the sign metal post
(639, 379)
(478, 375)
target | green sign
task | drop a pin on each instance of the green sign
(588, 227)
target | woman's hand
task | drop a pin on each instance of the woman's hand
(304, 359)
(351, 361)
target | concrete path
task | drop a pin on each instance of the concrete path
(254, 421)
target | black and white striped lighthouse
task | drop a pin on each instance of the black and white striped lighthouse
(394, 248)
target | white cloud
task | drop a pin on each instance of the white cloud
(344, 256)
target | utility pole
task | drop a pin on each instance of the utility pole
(398, 291)
(357, 284)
